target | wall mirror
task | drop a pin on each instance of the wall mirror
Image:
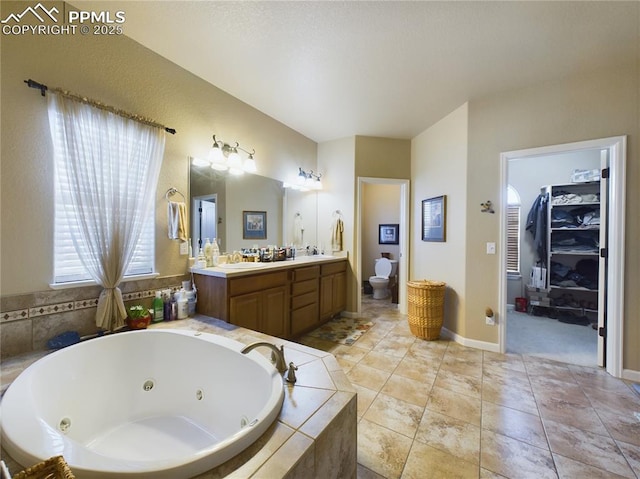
(218, 199)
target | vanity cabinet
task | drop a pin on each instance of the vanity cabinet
(333, 289)
(261, 303)
(304, 299)
(286, 301)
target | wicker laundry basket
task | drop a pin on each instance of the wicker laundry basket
(426, 308)
(53, 468)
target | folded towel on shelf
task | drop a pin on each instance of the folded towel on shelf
(177, 220)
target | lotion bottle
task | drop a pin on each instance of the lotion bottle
(215, 253)
(207, 252)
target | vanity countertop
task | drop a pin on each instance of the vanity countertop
(241, 269)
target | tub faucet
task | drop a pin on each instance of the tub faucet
(277, 355)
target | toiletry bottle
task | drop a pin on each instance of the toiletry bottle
(166, 300)
(215, 253)
(173, 308)
(183, 305)
(207, 252)
(158, 308)
(201, 261)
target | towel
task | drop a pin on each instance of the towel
(336, 234)
(298, 231)
(177, 220)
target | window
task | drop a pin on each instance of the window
(513, 231)
(68, 267)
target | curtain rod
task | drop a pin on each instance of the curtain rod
(43, 88)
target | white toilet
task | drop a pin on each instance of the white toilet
(385, 268)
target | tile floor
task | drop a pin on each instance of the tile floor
(435, 409)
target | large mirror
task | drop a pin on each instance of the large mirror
(222, 203)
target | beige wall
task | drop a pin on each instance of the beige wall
(382, 157)
(439, 167)
(336, 163)
(119, 72)
(599, 105)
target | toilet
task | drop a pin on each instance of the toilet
(385, 269)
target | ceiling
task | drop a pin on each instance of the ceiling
(334, 69)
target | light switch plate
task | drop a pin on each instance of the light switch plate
(184, 248)
(491, 248)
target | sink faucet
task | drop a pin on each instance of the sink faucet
(277, 355)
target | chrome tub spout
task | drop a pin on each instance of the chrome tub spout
(277, 355)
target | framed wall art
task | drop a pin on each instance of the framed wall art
(388, 234)
(254, 225)
(434, 219)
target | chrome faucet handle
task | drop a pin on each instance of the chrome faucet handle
(291, 374)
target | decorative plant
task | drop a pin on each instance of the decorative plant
(137, 311)
(488, 313)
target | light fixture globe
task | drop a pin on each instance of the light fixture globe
(216, 157)
(250, 164)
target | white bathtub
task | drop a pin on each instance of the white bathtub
(144, 404)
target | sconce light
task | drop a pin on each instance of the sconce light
(305, 180)
(223, 157)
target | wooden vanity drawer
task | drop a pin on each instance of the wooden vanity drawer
(304, 299)
(333, 268)
(302, 274)
(258, 282)
(302, 287)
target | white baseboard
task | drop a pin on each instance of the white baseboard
(631, 375)
(472, 343)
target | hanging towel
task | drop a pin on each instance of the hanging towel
(336, 234)
(298, 230)
(177, 220)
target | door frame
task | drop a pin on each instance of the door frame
(617, 147)
(403, 261)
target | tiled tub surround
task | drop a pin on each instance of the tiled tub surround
(315, 433)
(28, 321)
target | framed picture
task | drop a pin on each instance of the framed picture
(434, 219)
(254, 225)
(388, 234)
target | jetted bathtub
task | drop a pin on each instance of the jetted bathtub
(144, 404)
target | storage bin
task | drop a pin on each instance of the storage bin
(521, 305)
(426, 308)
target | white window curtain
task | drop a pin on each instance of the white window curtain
(109, 166)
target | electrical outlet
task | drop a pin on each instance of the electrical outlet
(184, 248)
(490, 320)
(491, 248)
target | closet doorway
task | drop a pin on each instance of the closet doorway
(581, 295)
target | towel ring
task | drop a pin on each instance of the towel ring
(173, 191)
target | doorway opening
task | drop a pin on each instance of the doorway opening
(365, 264)
(571, 272)
(204, 220)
